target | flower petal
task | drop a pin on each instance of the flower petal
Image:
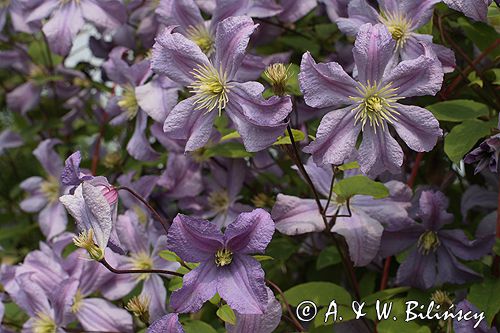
(131, 232)
(198, 286)
(250, 233)
(96, 314)
(418, 270)
(432, 210)
(48, 158)
(104, 14)
(139, 147)
(476, 10)
(325, 84)
(155, 291)
(335, 139)
(194, 239)
(241, 284)
(158, 97)
(53, 220)
(62, 28)
(167, 324)
(379, 152)
(450, 270)
(100, 219)
(459, 244)
(293, 10)
(182, 13)
(359, 13)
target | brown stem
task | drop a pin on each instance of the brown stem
(138, 271)
(295, 322)
(163, 222)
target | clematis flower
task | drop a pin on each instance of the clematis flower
(372, 104)
(67, 17)
(336, 8)
(215, 88)
(475, 9)
(9, 139)
(264, 323)
(226, 266)
(44, 193)
(486, 155)
(467, 326)
(143, 253)
(402, 19)
(17, 10)
(362, 231)
(94, 206)
(71, 174)
(167, 324)
(433, 252)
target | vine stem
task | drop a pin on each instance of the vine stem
(163, 222)
(294, 320)
(138, 271)
(410, 183)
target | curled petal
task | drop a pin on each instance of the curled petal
(250, 232)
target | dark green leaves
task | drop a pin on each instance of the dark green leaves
(463, 137)
(458, 110)
(349, 187)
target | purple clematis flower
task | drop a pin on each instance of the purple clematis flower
(475, 9)
(362, 231)
(67, 18)
(144, 247)
(215, 88)
(226, 266)
(264, 323)
(44, 193)
(9, 139)
(372, 104)
(166, 324)
(402, 19)
(432, 259)
(336, 8)
(467, 326)
(486, 155)
(18, 10)
(71, 174)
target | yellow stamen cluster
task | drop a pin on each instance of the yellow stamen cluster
(128, 102)
(210, 88)
(86, 241)
(77, 301)
(142, 261)
(223, 257)
(398, 25)
(428, 242)
(278, 76)
(50, 188)
(442, 298)
(375, 106)
(139, 306)
(44, 324)
(219, 201)
(262, 200)
(201, 36)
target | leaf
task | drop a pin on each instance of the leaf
(226, 314)
(458, 110)
(228, 149)
(320, 293)
(482, 34)
(485, 297)
(328, 257)
(197, 326)
(463, 137)
(169, 256)
(232, 135)
(474, 80)
(349, 187)
(349, 166)
(262, 258)
(384, 295)
(285, 140)
(281, 248)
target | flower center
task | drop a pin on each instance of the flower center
(202, 37)
(428, 242)
(128, 102)
(50, 188)
(376, 105)
(219, 201)
(4, 3)
(223, 257)
(142, 261)
(210, 88)
(44, 324)
(398, 25)
(139, 306)
(86, 241)
(278, 76)
(77, 301)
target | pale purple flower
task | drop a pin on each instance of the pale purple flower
(71, 174)
(336, 8)
(264, 323)
(166, 324)
(143, 247)
(226, 266)
(24, 97)
(68, 17)
(9, 139)
(362, 231)
(467, 326)
(44, 193)
(475, 9)
(182, 177)
(402, 19)
(215, 88)
(18, 11)
(294, 10)
(372, 104)
(486, 155)
(433, 251)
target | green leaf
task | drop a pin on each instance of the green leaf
(262, 258)
(301, 44)
(228, 149)
(226, 314)
(321, 293)
(493, 75)
(328, 257)
(325, 30)
(482, 34)
(398, 326)
(349, 166)
(474, 80)
(169, 256)
(463, 137)
(485, 297)
(197, 326)
(496, 247)
(384, 295)
(232, 135)
(349, 187)
(285, 140)
(281, 248)
(458, 110)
